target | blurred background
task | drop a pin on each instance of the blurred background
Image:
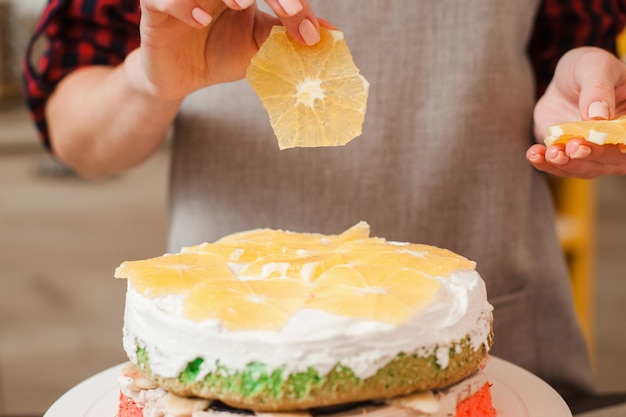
(61, 239)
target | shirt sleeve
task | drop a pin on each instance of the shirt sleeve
(565, 24)
(71, 34)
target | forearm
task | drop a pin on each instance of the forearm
(101, 123)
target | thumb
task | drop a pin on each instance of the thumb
(598, 73)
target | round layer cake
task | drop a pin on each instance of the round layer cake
(274, 320)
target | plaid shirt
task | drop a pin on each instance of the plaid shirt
(102, 32)
(78, 33)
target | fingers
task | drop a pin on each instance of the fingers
(298, 18)
(201, 17)
(537, 158)
(579, 158)
(296, 15)
(611, 155)
(187, 11)
(555, 162)
(598, 73)
(239, 4)
(589, 83)
(325, 23)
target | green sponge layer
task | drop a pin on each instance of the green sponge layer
(260, 388)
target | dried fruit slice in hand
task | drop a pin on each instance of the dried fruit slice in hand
(314, 95)
(600, 132)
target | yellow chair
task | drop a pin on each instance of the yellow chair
(575, 204)
(575, 201)
(621, 45)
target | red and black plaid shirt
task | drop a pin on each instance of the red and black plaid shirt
(77, 33)
(102, 32)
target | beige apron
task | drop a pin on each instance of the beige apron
(441, 161)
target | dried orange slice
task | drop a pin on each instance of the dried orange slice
(600, 132)
(247, 305)
(427, 259)
(381, 293)
(306, 266)
(239, 252)
(272, 241)
(173, 273)
(314, 95)
(259, 278)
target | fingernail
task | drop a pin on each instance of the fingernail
(201, 16)
(598, 110)
(291, 7)
(557, 157)
(308, 32)
(532, 154)
(581, 152)
(244, 4)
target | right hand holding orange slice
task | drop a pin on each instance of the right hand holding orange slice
(600, 132)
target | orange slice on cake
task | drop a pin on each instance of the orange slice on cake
(306, 266)
(247, 305)
(428, 259)
(282, 241)
(381, 293)
(314, 95)
(173, 273)
(238, 252)
(258, 279)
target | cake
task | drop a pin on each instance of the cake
(271, 320)
(471, 397)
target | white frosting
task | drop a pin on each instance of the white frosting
(311, 338)
(441, 403)
(157, 402)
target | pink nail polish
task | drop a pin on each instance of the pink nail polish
(244, 4)
(581, 152)
(308, 32)
(291, 7)
(201, 16)
(556, 156)
(560, 159)
(598, 110)
(551, 153)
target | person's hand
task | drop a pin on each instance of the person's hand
(190, 44)
(185, 45)
(589, 83)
